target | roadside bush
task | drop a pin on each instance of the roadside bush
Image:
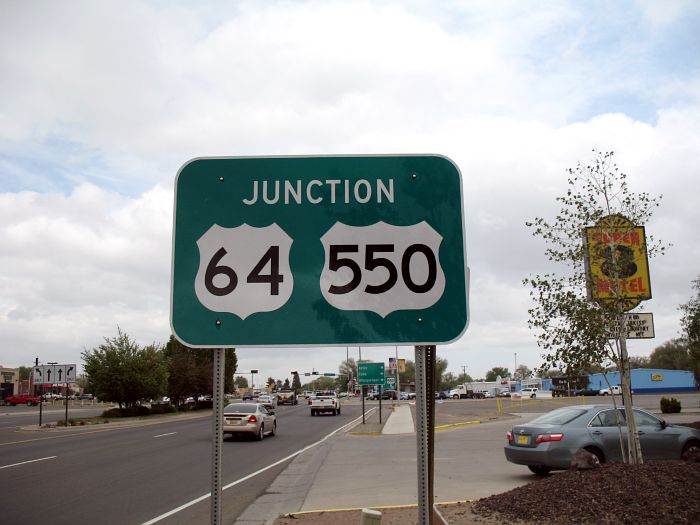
(162, 409)
(134, 411)
(670, 406)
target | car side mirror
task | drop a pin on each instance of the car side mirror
(664, 424)
(271, 412)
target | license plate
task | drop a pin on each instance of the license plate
(233, 421)
(523, 440)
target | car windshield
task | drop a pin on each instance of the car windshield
(240, 409)
(560, 416)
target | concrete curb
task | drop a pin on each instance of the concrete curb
(375, 507)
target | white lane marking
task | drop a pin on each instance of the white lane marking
(246, 478)
(25, 462)
(168, 434)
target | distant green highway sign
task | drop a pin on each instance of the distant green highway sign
(370, 373)
(324, 251)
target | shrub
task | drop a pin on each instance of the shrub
(162, 409)
(134, 411)
(670, 406)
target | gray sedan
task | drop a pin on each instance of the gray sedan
(549, 441)
(249, 418)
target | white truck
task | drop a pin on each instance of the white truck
(614, 389)
(324, 402)
(532, 393)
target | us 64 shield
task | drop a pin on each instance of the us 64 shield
(292, 251)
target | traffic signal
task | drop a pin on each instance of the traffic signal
(294, 372)
(314, 373)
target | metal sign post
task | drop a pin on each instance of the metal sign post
(217, 434)
(422, 437)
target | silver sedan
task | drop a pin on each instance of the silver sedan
(249, 418)
(549, 441)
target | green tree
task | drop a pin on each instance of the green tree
(296, 383)
(571, 329)
(347, 371)
(125, 373)
(285, 385)
(497, 371)
(639, 361)
(241, 382)
(691, 328)
(464, 378)
(191, 370)
(440, 368)
(24, 372)
(672, 355)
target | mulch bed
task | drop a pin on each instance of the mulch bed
(616, 493)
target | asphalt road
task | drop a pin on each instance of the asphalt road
(113, 475)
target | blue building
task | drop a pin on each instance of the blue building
(648, 380)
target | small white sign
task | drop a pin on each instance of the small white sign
(639, 326)
(54, 374)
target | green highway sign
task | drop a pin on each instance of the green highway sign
(318, 251)
(390, 383)
(370, 373)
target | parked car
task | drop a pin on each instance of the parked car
(585, 392)
(268, 402)
(389, 394)
(404, 396)
(22, 399)
(549, 441)
(249, 418)
(440, 395)
(86, 396)
(247, 396)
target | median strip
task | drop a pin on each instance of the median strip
(455, 425)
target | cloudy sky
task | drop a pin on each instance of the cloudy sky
(102, 102)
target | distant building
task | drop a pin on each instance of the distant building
(648, 380)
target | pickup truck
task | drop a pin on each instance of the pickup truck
(533, 393)
(286, 397)
(615, 389)
(325, 402)
(22, 399)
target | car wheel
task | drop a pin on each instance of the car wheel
(691, 448)
(338, 411)
(29, 403)
(274, 429)
(540, 471)
(261, 433)
(533, 396)
(597, 453)
(456, 396)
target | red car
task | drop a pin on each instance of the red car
(22, 399)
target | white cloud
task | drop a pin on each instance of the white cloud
(91, 136)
